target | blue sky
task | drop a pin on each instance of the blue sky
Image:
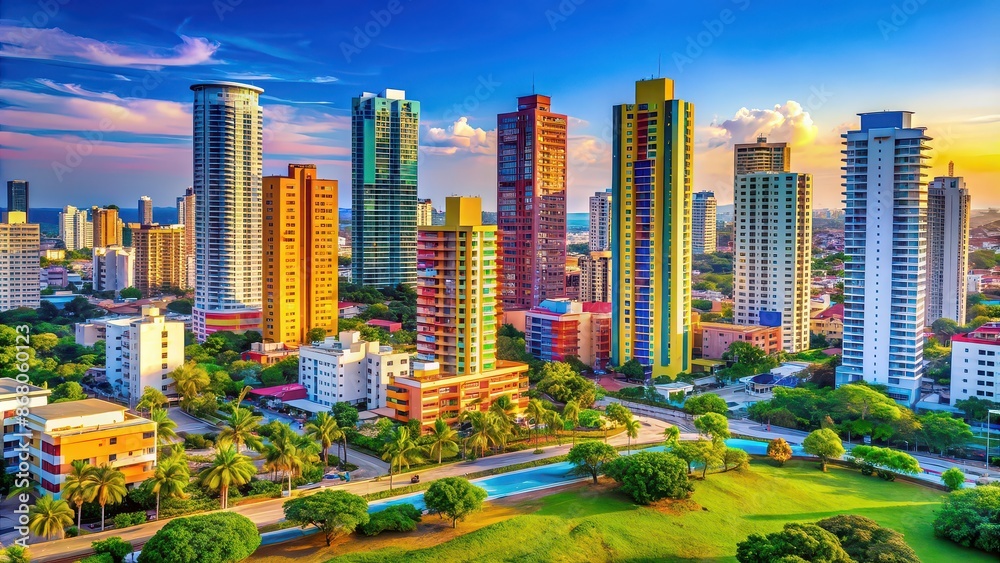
(95, 99)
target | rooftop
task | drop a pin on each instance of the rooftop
(8, 386)
(732, 327)
(85, 407)
(836, 311)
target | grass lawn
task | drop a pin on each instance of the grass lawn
(593, 523)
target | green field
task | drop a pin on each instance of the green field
(581, 525)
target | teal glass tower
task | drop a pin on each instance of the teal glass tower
(384, 130)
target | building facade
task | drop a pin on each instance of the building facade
(384, 140)
(160, 263)
(185, 216)
(885, 239)
(531, 202)
(829, 323)
(107, 226)
(651, 229)
(600, 221)
(228, 155)
(560, 328)
(703, 223)
(145, 210)
(773, 259)
(15, 395)
(975, 364)
(301, 223)
(114, 268)
(425, 213)
(74, 229)
(17, 195)
(142, 352)
(761, 157)
(595, 278)
(712, 340)
(350, 370)
(948, 213)
(20, 268)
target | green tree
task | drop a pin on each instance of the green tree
(49, 517)
(885, 459)
(559, 381)
(44, 342)
(316, 335)
(590, 457)
(241, 430)
(633, 370)
(795, 543)
(324, 429)
(130, 293)
(170, 479)
(745, 353)
(710, 454)
(455, 498)
(211, 538)
(941, 431)
(68, 391)
(114, 547)
(735, 458)
(977, 409)
(650, 476)
(289, 453)
(617, 413)
(632, 427)
(334, 513)
(969, 517)
(346, 414)
(714, 425)
(151, 398)
(443, 438)
(190, 379)
(706, 403)
(16, 553)
(75, 489)
(535, 413)
(400, 451)
(671, 436)
(824, 444)
(165, 427)
(229, 468)
(953, 478)
(865, 541)
(398, 517)
(779, 450)
(107, 486)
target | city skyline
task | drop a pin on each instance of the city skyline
(122, 82)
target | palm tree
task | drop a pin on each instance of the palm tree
(536, 413)
(500, 429)
(325, 430)
(190, 379)
(289, 453)
(49, 517)
(165, 427)
(75, 488)
(504, 407)
(443, 437)
(571, 413)
(632, 427)
(152, 398)
(241, 428)
(400, 451)
(480, 435)
(107, 485)
(170, 479)
(228, 468)
(554, 423)
(671, 435)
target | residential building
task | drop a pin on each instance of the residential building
(350, 370)
(185, 216)
(145, 210)
(703, 223)
(761, 157)
(160, 263)
(16, 395)
(651, 198)
(114, 268)
(713, 339)
(141, 352)
(773, 259)
(107, 226)
(20, 268)
(300, 255)
(531, 202)
(948, 214)
(560, 328)
(268, 353)
(89, 332)
(885, 241)
(975, 364)
(425, 213)
(54, 276)
(92, 430)
(228, 137)
(384, 135)
(600, 221)
(74, 229)
(595, 277)
(829, 323)
(456, 366)
(17, 195)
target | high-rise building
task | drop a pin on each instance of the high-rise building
(145, 210)
(74, 229)
(703, 223)
(651, 229)
(160, 263)
(773, 254)
(761, 157)
(300, 255)
(142, 352)
(107, 226)
(425, 213)
(885, 292)
(114, 268)
(595, 277)
(456, 367)
(17, 195)
(228, 160)
(948, 213)
(531, 202)
(20, 270)
(350, 370)
(185, 216)
(560, 328)
(600, 221)
(384, 188)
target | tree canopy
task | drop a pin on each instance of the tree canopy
(335, 513)
(211, 538)
(455, 498)
(706, 403)
(796, 542)
(865, 541)
(971, 517)
(650, 476)
(824, 444)
(591, 456)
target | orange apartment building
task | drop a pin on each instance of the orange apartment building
(559, 328)
(456, 367)
(713, 339)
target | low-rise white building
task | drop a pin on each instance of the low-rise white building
(114, 268)
(141, 352)
(349, 369)
(975, 364)
(15, 395)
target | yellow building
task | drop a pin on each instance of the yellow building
(829, 323)
(651, 224)
(107, 227)
(160, 260)
(97, 431)
(300, 255)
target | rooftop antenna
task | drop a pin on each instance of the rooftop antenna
(951, 168)
(659, 60)
(532, 83)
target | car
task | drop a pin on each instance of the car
(600, 372)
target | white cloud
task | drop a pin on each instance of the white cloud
(460, 137)
(788, 123)
(324, 79)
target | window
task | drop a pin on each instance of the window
(113, 441)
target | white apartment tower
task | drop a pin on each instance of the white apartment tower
(228, 155)
(74, 229)
(114, 268)
(600, 221)
(351, 370)
(773, 261)
(19, 266)
(185, 216)
(142, 352)
(948, 207)
(885, 240)
(145, 210)
(703, 223)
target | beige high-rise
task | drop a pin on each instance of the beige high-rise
(761, 157)
(159, 258)
(19, 266)
(107, 227)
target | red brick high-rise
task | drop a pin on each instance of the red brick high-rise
(531, 203)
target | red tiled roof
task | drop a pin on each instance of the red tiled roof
(288, 392)
(836, 311)
(597, 307)
(346, 304)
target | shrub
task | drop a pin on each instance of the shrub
(126, 519)
(264, 488)
(114, 547)
(72, 532)
(590, 418)
(868, 542)
(397, 518)
(454, 497)
(211, 538)
(313, 474)
(969, 518)
(650, 476)
(98, 558)
(953, 478)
